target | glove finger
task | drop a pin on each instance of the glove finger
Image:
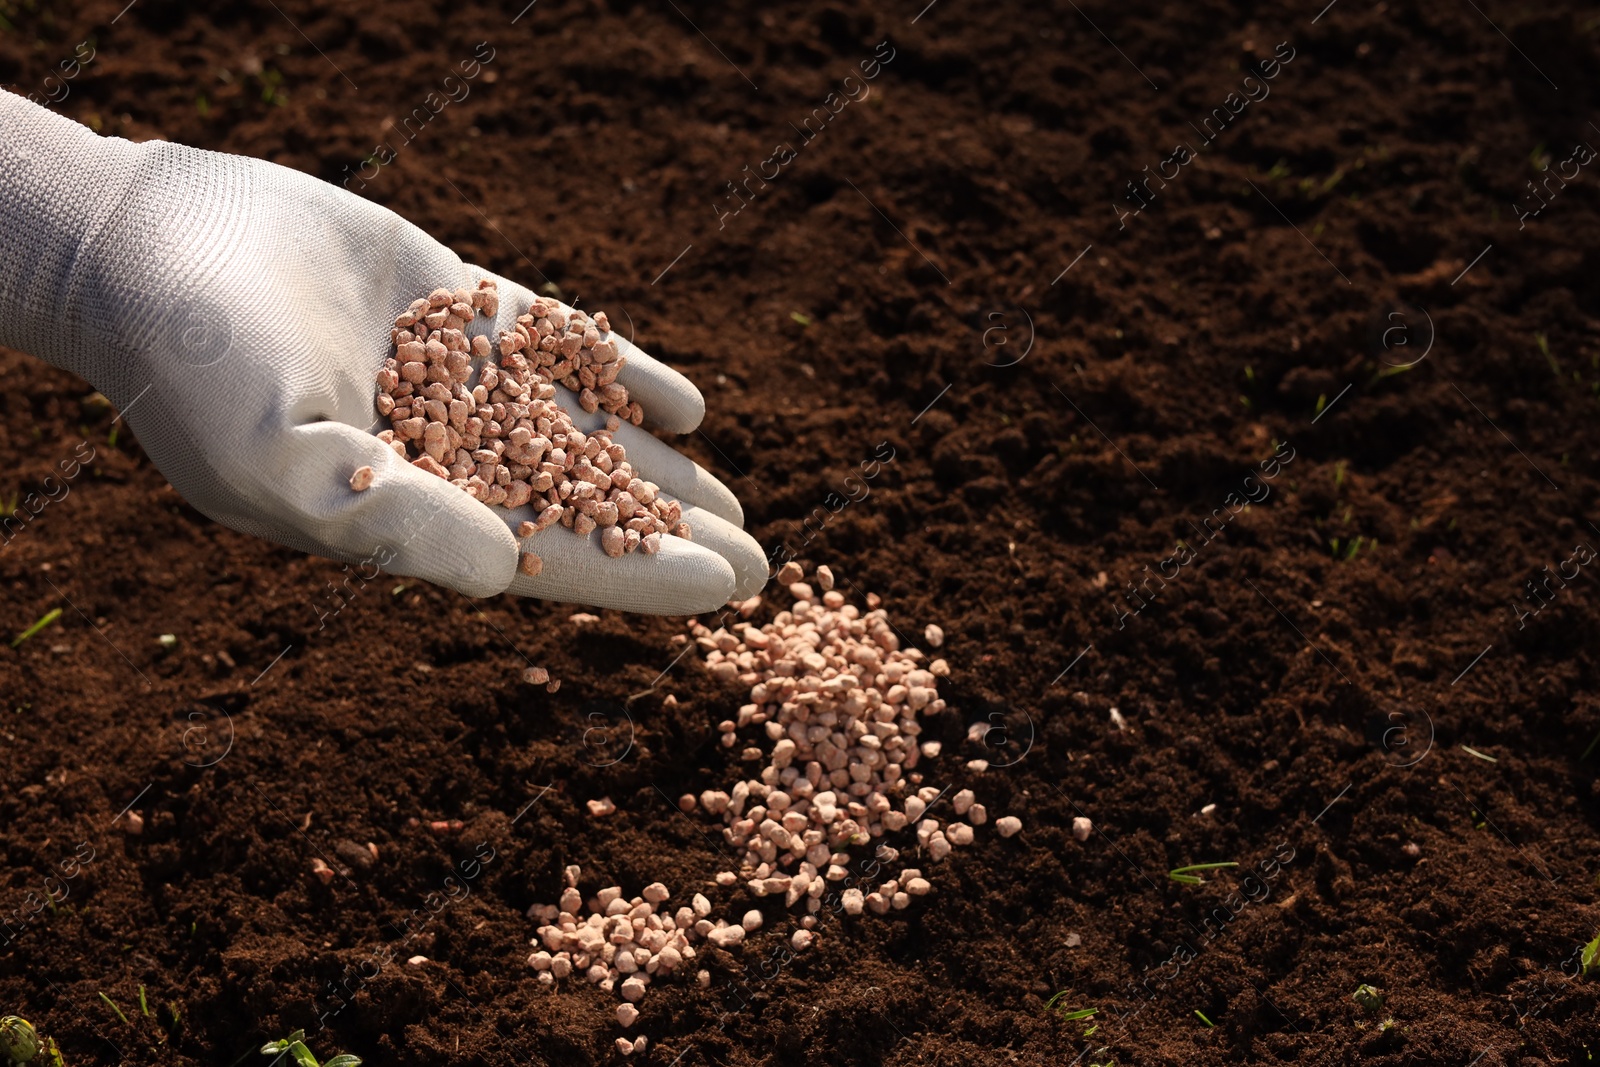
(670, 400)
(654, 459)
(682, 579)
(742, 552)
(408, 522)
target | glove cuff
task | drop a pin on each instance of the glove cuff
(59, 185)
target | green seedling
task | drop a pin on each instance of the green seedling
(1544, 349)
(20, 1043)
(1590, 952)
(1202, 1017)
(143, 1005)
(1590, 750)
(49, 617)
(1075, 1015)
(1390, 372)
(1186, 875)
(1345, 551)
(271, 80)
(1474, 752)
(1069, 1016)
(113, 1006)
(1370, 998)
(804, 320)
(295, 1046)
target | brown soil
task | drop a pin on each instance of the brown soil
(1336, 703)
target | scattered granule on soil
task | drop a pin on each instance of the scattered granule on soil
(836, 708)
(835, 720)
(505, 440)
(621, 943)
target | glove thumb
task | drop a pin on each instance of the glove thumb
(407, 522)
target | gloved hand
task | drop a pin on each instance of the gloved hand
(237, 313)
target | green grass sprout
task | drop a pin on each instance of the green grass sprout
(1590, 750)
(1186, 875)
(113, 1006)
(1544, 349)
(49, 617)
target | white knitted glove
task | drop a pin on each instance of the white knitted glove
(237, 313)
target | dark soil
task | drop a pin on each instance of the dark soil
(1347, 692)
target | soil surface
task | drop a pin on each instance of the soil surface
(1340, 302)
